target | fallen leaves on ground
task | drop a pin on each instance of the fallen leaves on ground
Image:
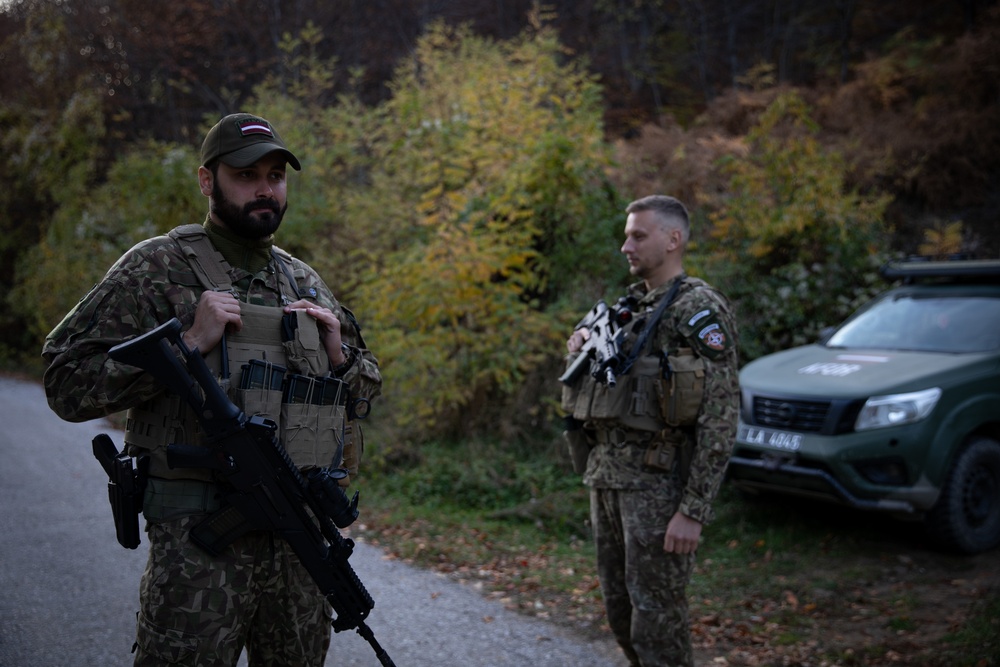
(897, 615)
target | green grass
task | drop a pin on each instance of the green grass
(977, 643)
(772, 572)
(514, 520)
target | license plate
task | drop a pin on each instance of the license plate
(767, 437)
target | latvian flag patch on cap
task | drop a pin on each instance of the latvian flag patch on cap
(255, 126)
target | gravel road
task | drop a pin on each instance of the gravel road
(69, 590)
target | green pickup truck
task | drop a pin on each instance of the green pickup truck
(896, 410)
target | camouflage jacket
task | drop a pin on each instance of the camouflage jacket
(147, 286)
(699, 318)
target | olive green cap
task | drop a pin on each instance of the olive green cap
(240, 139)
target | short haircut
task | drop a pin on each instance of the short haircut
(670, 212)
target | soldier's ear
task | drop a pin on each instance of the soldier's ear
(206, 181)
(676, 239)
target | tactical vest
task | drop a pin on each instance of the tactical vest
(660, 390)
(275, 366)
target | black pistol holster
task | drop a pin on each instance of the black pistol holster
(126, 485)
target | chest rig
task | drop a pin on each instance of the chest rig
(660, 389)
(276, 366)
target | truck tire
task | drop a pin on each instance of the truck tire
(966, 517)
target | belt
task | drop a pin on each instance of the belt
(167, 499)
(621, 436)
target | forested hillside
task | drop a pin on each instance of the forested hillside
(466, 163)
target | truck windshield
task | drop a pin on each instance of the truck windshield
(928, 324)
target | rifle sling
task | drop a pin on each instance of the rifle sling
(640, 342)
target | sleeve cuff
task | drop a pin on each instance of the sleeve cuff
(697, 509)
(351, 354)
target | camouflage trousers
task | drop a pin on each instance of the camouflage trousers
(643, 587)
(198, 610)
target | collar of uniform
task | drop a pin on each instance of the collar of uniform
(241, 253)
(638, 290)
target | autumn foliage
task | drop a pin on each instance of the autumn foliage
(468, 204)
(491, 163)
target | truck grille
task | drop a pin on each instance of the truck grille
(793, 415)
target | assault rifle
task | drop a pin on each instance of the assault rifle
(266, 489)
(602, 351)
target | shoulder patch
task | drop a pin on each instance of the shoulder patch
(714, 337)
(707, 332)
(698, 317)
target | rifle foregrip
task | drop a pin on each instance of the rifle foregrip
(575, 369)
(350, 599)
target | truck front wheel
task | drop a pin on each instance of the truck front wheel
(967, 515)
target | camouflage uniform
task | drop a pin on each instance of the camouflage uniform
(632, 502)
(196, 609)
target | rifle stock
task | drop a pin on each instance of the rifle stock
(267, 488)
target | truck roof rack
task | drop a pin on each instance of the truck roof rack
(915, 269)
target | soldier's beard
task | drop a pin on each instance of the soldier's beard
(248, 221)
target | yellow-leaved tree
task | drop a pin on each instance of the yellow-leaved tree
(791, 243)
(487, 226)
(149, 190)
(467, 221)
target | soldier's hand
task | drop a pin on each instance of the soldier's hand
(576, 341)
(216, 312)
(683, 534)
(329, 328)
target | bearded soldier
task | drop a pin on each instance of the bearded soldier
(261, 318)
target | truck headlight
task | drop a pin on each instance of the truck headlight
(897, 409)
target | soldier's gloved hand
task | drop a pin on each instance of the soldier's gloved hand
(216, 312)
(329, 328)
